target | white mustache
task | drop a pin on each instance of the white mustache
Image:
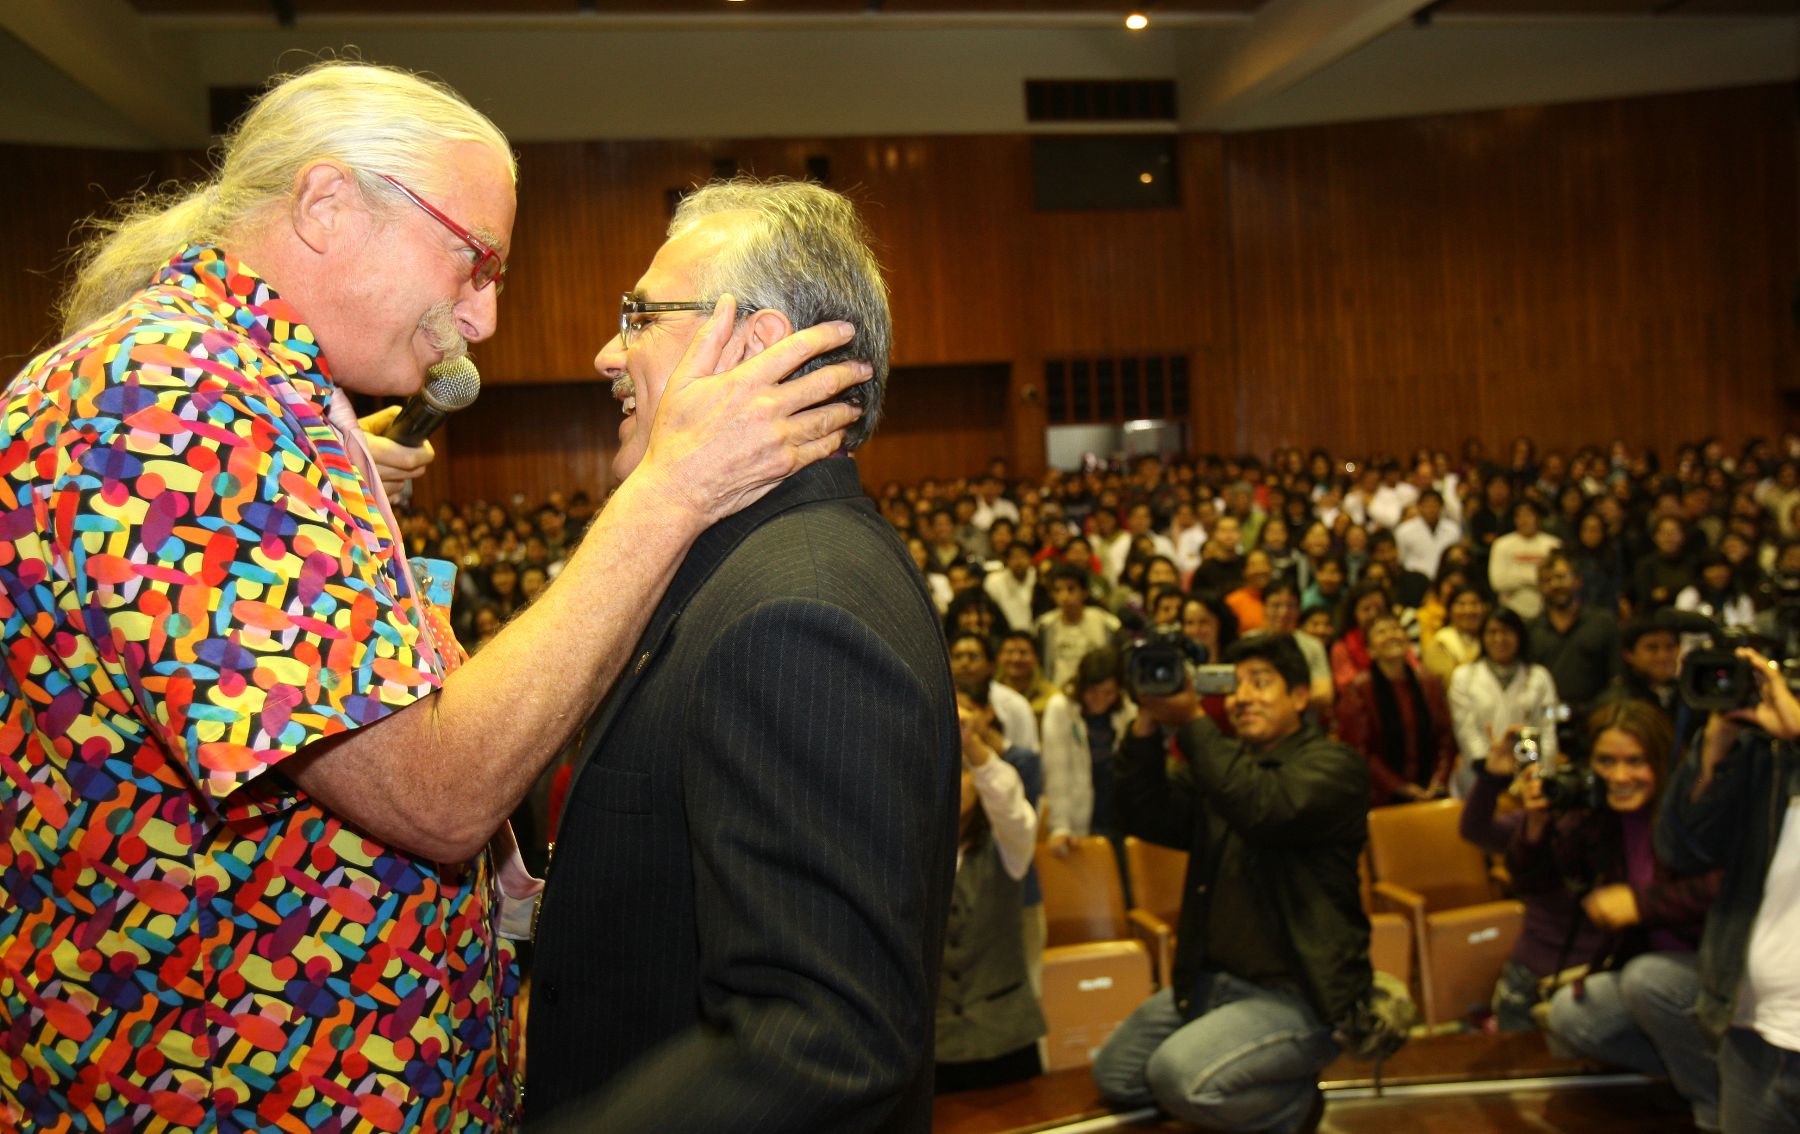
(623, 387)
(439, 325)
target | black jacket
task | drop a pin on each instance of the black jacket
(1734, 826)
(1299, 816)
(744, 915)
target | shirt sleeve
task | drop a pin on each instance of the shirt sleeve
(1010, 816)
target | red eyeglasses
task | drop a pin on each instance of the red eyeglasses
(489, 266)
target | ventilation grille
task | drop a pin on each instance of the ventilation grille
(1115, 390)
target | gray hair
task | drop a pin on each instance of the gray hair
(372, 119)
(805, 253)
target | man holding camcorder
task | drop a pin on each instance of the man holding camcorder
(1735, 805)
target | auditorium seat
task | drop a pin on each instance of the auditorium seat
(1462, 930)
(1158, 876)
(1095, 974)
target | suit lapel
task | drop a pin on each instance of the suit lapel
(831, 479)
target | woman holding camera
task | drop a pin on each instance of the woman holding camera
(1496, 692)
(1637, 924)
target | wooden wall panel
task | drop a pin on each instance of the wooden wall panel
(46, 192)
(1569, 272)
(1573, 272)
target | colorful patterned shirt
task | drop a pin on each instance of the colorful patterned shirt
(194, 585)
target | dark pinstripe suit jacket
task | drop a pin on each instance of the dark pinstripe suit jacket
(744, 918)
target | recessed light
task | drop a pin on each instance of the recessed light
(1137, 21)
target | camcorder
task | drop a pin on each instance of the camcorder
(1161, 662)
(1714, 679)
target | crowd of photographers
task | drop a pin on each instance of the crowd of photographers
(1239, 658)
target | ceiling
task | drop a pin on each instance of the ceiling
(72, 72)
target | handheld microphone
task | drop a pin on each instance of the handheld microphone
(449, 386)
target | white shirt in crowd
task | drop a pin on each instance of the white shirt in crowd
(1421, 546)
(1012, 596)
(1390, 502)
(1014, 713)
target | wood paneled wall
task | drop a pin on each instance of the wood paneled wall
(1572, 272)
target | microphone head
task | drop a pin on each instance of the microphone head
(452, 385)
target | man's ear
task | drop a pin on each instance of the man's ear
(326, 201)
(763, 330)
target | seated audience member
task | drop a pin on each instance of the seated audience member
(1188, 535)
(992, 505)
(1139, 524)
(1650, 646)
(1734, 806)
(1164, 606)
(1577, 643)
(962, 576)
(972, 610)
(1595, 557)
(1000, 536)
(1500, 690)
(1247, 600)
(988, 1019)
(1434, 611)
(1318, 623)
(1492, 520)
(1355, 541)
(1281, 615)
(1423, 539)
(1221, 561)
(1665, 573)
(1717, 593)
(1208, 623)
(1015, 587)
(1329, 583)
(939, 530)
(1635, 1006)
(934, 578)
(1019, 670)
(1459, 641)
(1408, 587)
(1397, 719)
(972, 664)
(1083, 726)
(1074, 629)
(1276, 542)
(1272, 944)
(1315, 548)
(1514, 559)
(970, 535)
(1350, 652)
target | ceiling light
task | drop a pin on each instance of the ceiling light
(1137, 21)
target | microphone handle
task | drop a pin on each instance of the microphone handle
(418, 419)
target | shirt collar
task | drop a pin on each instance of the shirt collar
(234, 291)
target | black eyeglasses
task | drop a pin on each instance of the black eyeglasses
(632, 310)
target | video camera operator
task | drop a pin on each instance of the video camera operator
(1732, 806)
(1273, 945)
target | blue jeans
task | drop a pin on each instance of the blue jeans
(1642, 1017)
(1759, 1085)
(1249, 1061)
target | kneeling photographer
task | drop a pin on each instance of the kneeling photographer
(1731, 806)
(1272, 946)
(1625, 977)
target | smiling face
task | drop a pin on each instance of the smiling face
(1622, 765)
(640, 372)
(1498, 643)
(1262, 707)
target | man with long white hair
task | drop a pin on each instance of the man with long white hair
(248, 780)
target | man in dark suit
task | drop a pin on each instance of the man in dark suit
(744, 914)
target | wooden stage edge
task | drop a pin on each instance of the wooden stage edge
(1427, 1072)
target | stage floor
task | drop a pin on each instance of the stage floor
(1471, 1084)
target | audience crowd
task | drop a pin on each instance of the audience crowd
(1469, 625)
